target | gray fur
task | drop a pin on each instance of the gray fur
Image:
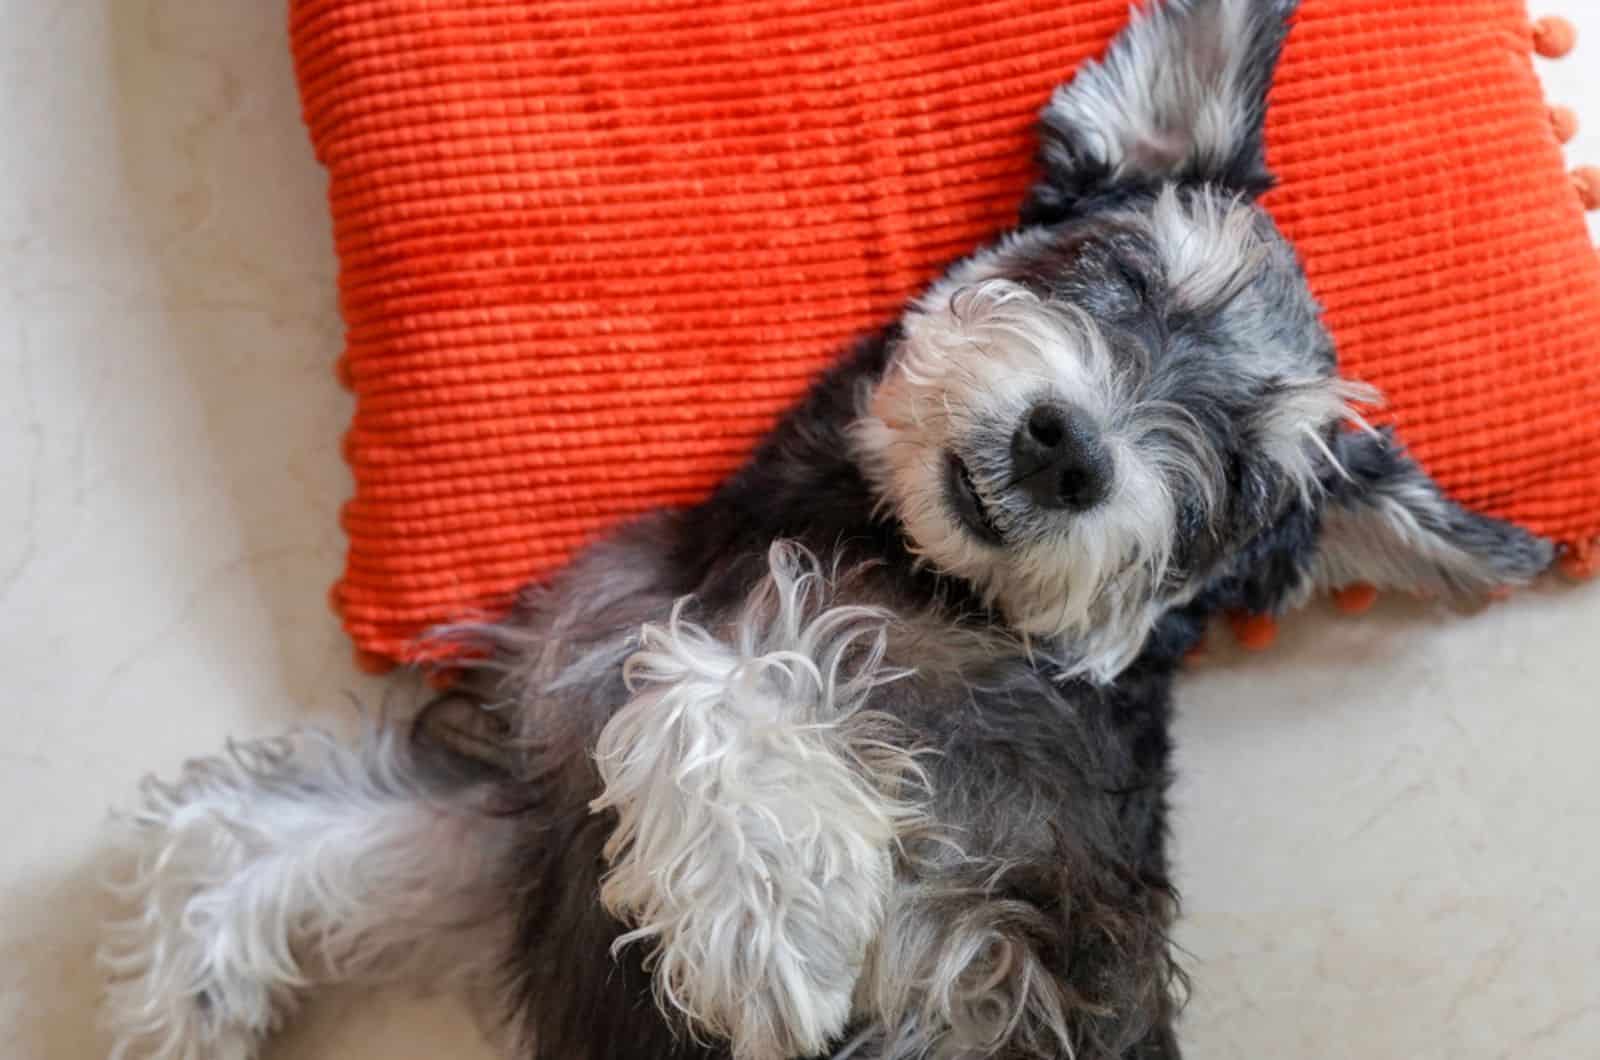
(1389, 525)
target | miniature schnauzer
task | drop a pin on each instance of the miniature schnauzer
(866, 756)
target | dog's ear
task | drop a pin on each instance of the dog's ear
(1181, 95)
(1388, 524)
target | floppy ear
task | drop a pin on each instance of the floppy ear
(1387, 524)
(1181, 95)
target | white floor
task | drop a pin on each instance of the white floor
(1390, 828)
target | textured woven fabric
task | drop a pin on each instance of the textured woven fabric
(591, 249)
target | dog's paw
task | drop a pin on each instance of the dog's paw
(188, 1027)
(757, 808)
(166, 997)
(190, 973)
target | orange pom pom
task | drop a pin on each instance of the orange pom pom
(1587, 182)
(442, 680)
(1254, 632)
(1554, 37)
(1580, 564)
(341, 372)
(369, 662)
(1564, 123)
(1356, 599)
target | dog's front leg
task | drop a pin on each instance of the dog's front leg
(757, 799)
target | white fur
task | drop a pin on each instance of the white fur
(758, 805)
(1210, 245)
(1382, 541)
(266, 868)
(1290, 426)
(978, 352)
(1174, 88)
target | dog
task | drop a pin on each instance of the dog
(866, 756)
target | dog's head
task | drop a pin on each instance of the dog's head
(1086, 420)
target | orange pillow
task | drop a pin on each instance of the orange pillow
(592, 248)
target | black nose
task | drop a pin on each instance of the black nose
(1059, 459)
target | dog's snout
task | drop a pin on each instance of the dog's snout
(1060, 460)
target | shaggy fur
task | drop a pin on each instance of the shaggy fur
(277, 864)
(763, 739)
(867, 755)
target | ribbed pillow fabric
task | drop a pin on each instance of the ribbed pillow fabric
(591, 249)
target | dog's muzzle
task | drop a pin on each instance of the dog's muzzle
(1059, 464)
